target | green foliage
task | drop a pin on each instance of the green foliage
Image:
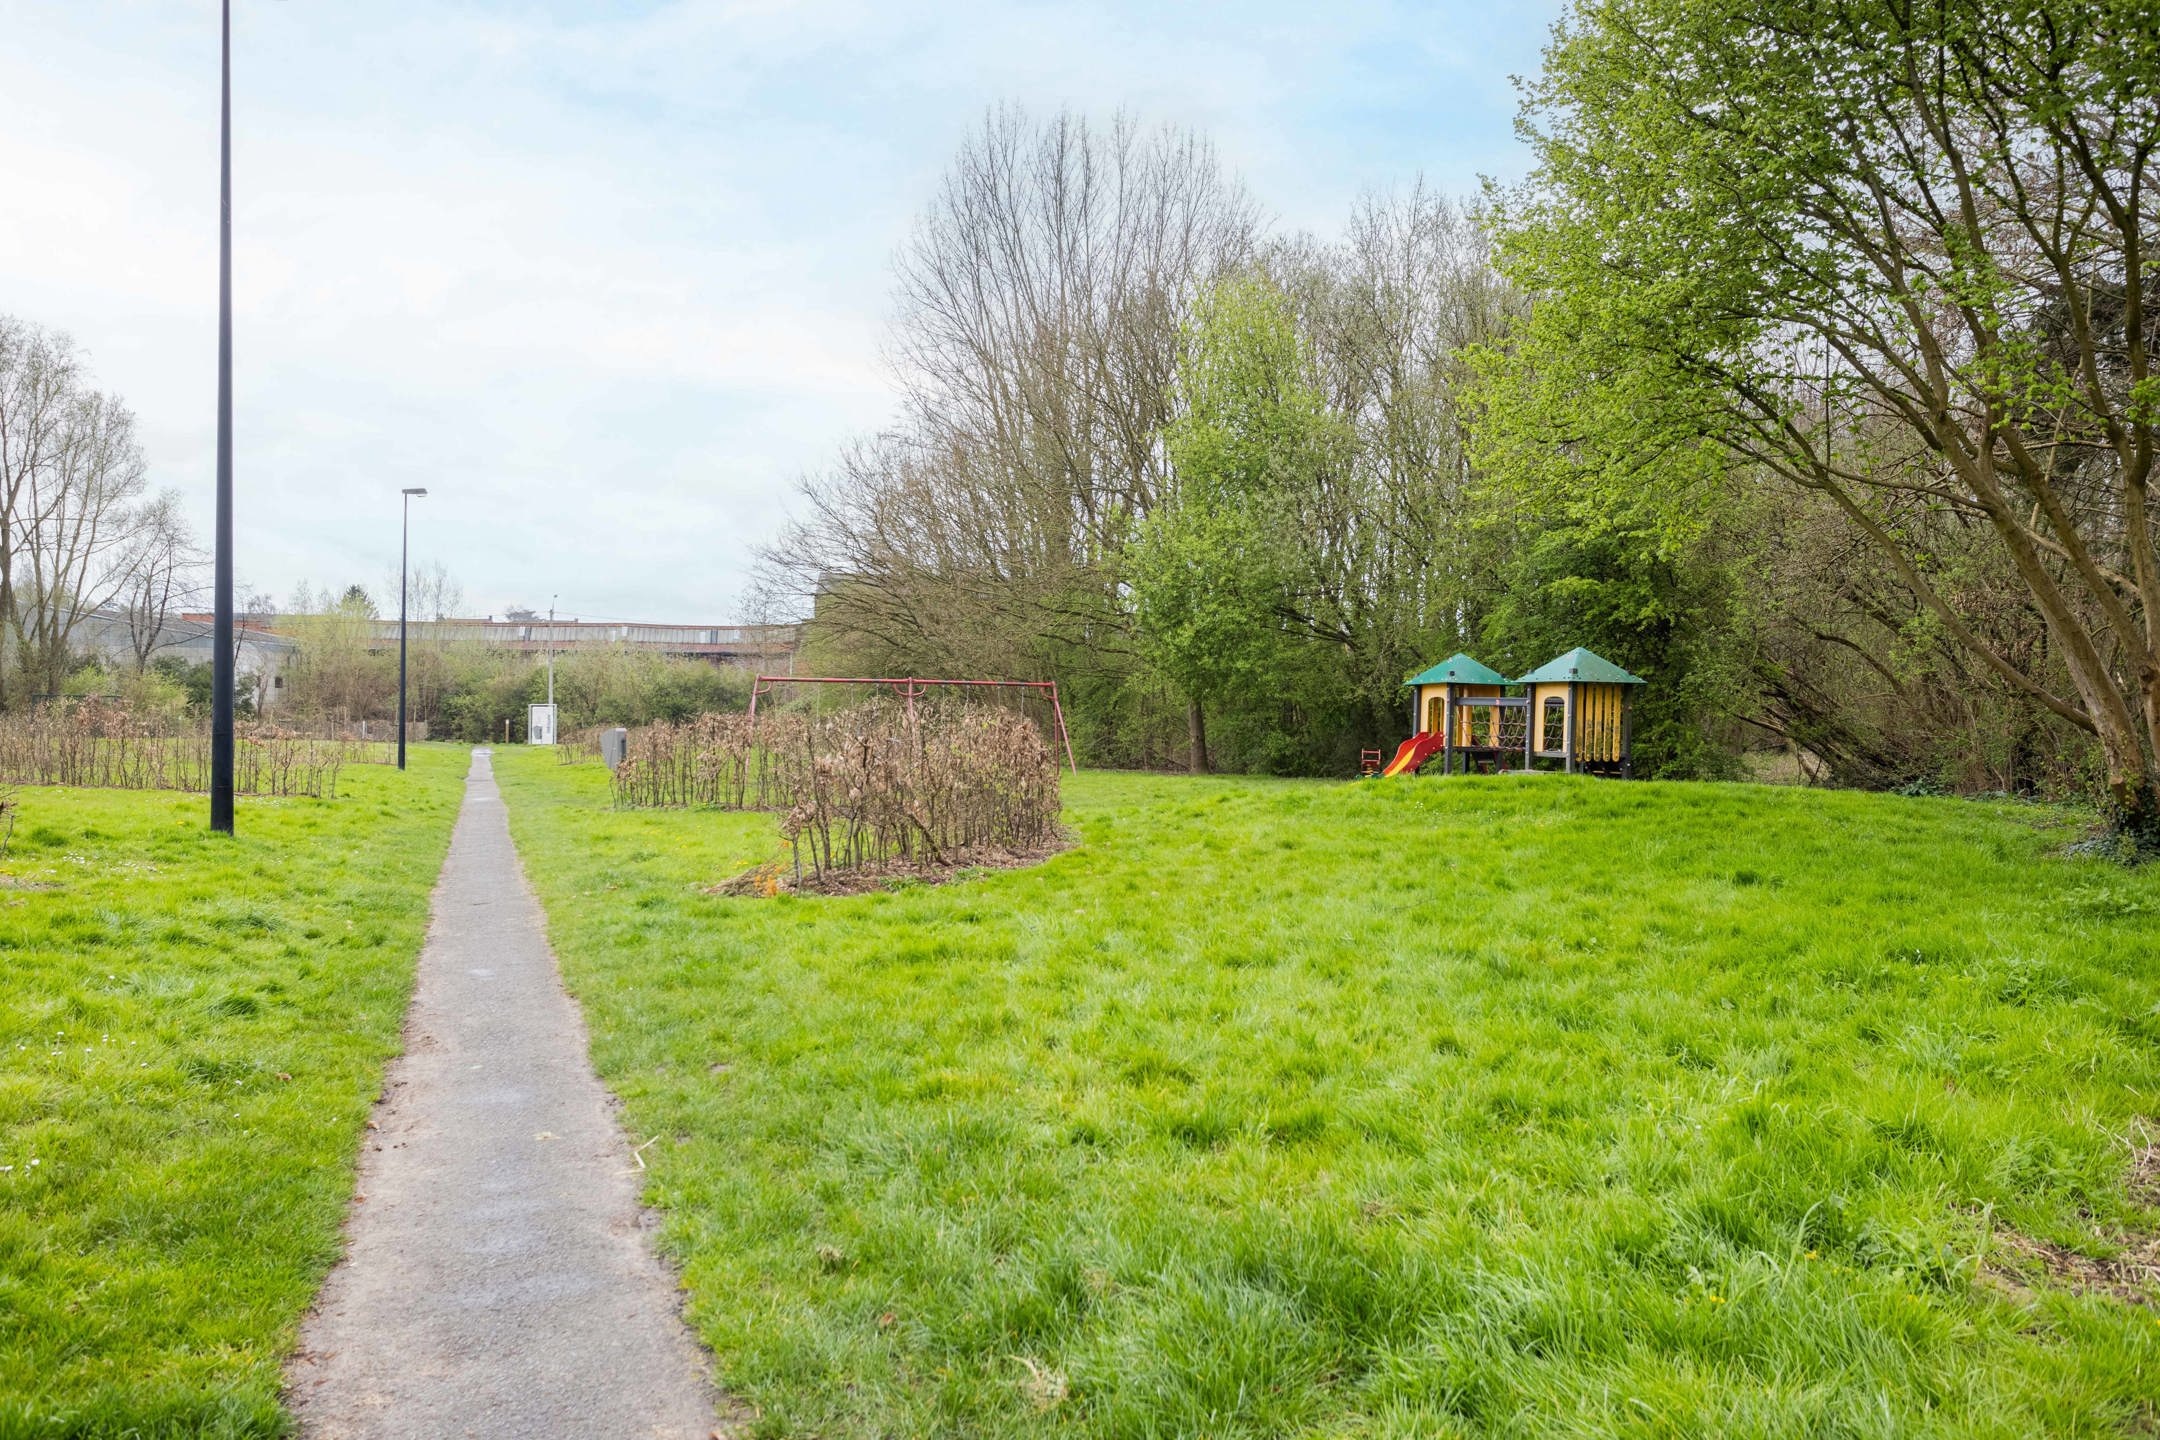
(1671, 616)
(1609, 524)
(194, 680)
(476, 705)
(1215, 568)
(1205, 580)
(1522, 1107)
(1230, 577)
(192, 1030)
(340, 671)
(592, 687)
(160, 692)
(630, 687)
(1252, 427)
(1222, 572)
(1874, 252)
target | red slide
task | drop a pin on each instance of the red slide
(1415, 752)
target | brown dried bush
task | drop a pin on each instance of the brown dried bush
(710, 761)
(96, 744)
(878, 786)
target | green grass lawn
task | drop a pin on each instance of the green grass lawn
(1441, 1107)
(194, 1029)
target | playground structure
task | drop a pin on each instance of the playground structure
(912, 688)
(1576, 711)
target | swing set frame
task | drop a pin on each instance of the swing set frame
(913, 687)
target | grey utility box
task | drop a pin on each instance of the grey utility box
(614, 746)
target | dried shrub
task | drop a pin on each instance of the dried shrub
(96, 744)
(877, 787)
(709, 761)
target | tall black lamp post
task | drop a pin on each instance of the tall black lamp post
(404, 548)
(221, 630)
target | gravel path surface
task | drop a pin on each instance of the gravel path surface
(496, 1281)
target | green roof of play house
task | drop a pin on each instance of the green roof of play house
(1580, 664)
(1458, 670)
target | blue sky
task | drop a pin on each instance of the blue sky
(608, 277)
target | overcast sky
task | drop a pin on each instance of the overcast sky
(607, 276)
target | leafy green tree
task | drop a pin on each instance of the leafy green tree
(193, 679)
(1883, 251)
(1672, 615)
(1215, 570)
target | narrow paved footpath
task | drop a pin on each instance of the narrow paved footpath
(496, 1281)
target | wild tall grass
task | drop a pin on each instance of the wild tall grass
(99, 745)
(875, 785)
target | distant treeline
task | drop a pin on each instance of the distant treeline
(466, 690)
(339, 673)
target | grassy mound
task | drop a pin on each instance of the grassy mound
(192, 1030)
(1440, 1107)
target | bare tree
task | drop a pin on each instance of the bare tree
(256, 612)
(160, 573)
(39, 375)
(1042, 296)
(75, 535)
(1388, 314)
(1041, 301)
(76, 522)
(432, 592)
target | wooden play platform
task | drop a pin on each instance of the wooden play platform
(1573, 713)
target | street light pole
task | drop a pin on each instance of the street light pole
(221, 630)
(404, 549)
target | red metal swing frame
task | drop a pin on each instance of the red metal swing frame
(913, 686)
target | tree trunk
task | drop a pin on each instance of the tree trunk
(2132, 802)
(1196, 727)
(2133, 807)
(7, 607)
